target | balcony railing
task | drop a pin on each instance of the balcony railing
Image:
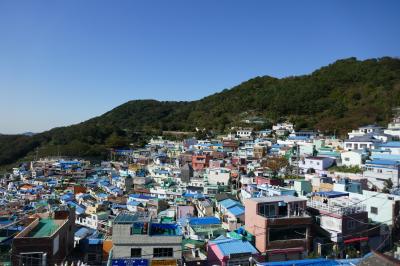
(337, 209)
(292, 214)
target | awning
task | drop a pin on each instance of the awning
(357, 239)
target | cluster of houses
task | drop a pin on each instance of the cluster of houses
(270, 197)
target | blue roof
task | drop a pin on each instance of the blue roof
(237, 210)
(391, 144)
(298, 138)
(204, 220)
(331, 194)
(384, 156)
(313, 262)
(383, 162)
(229, 246)
(83, 232)
(133, 203)
(193, 195)
(78, 209)
(229, 203)
(140, 196)
(69, 162)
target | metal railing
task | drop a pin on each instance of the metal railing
(337, 209)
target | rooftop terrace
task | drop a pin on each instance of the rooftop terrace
(337, 206)
(45, 228)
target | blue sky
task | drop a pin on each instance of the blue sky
(62, 62)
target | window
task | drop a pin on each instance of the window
(92, 257)
(351, 224)
(32, 259)
(287, 234)
(163, 252)
(374, 210)
(347, 159)
(136, 252)
(266, 210)
(379, 171)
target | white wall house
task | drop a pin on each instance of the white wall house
(360, 143)
(317, 163)
(351, 158)
(218, 176)
(380, 206)
(392, 146)
(283, 127)
(393, 128)
(378, 171)
(244, 132)
(362, 131)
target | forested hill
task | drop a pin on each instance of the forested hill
(335, 98)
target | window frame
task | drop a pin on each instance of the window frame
(163, 252)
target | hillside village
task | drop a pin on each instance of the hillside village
(271, 197)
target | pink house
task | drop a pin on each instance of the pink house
(228, 251)
(183, 211)
(280, 225)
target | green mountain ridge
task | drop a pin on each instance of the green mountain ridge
(333, 99)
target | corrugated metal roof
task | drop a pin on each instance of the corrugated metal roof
(383, 162)
(229, 246)
(229, 203)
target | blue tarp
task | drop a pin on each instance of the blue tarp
(130, 262)
(313, 262)
(204, 220)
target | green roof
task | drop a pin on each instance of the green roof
(45, 228)
(196, 243)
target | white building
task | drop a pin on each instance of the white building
(362, 131)
(244, 132)
(360, 143)
(286, 126)
(218, 176)
(378, 171)
(381, 207)
(393, 128)
(317, 163)
(352, 158)
(393, 147)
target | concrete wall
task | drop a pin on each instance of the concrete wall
(123, 242)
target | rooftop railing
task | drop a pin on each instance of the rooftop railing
(341, 209)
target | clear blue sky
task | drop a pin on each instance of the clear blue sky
(62, 62)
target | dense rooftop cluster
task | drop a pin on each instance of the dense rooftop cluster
(251, 197)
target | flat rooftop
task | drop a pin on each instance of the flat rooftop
(126, 218)
(285, 198)
(45, 228)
